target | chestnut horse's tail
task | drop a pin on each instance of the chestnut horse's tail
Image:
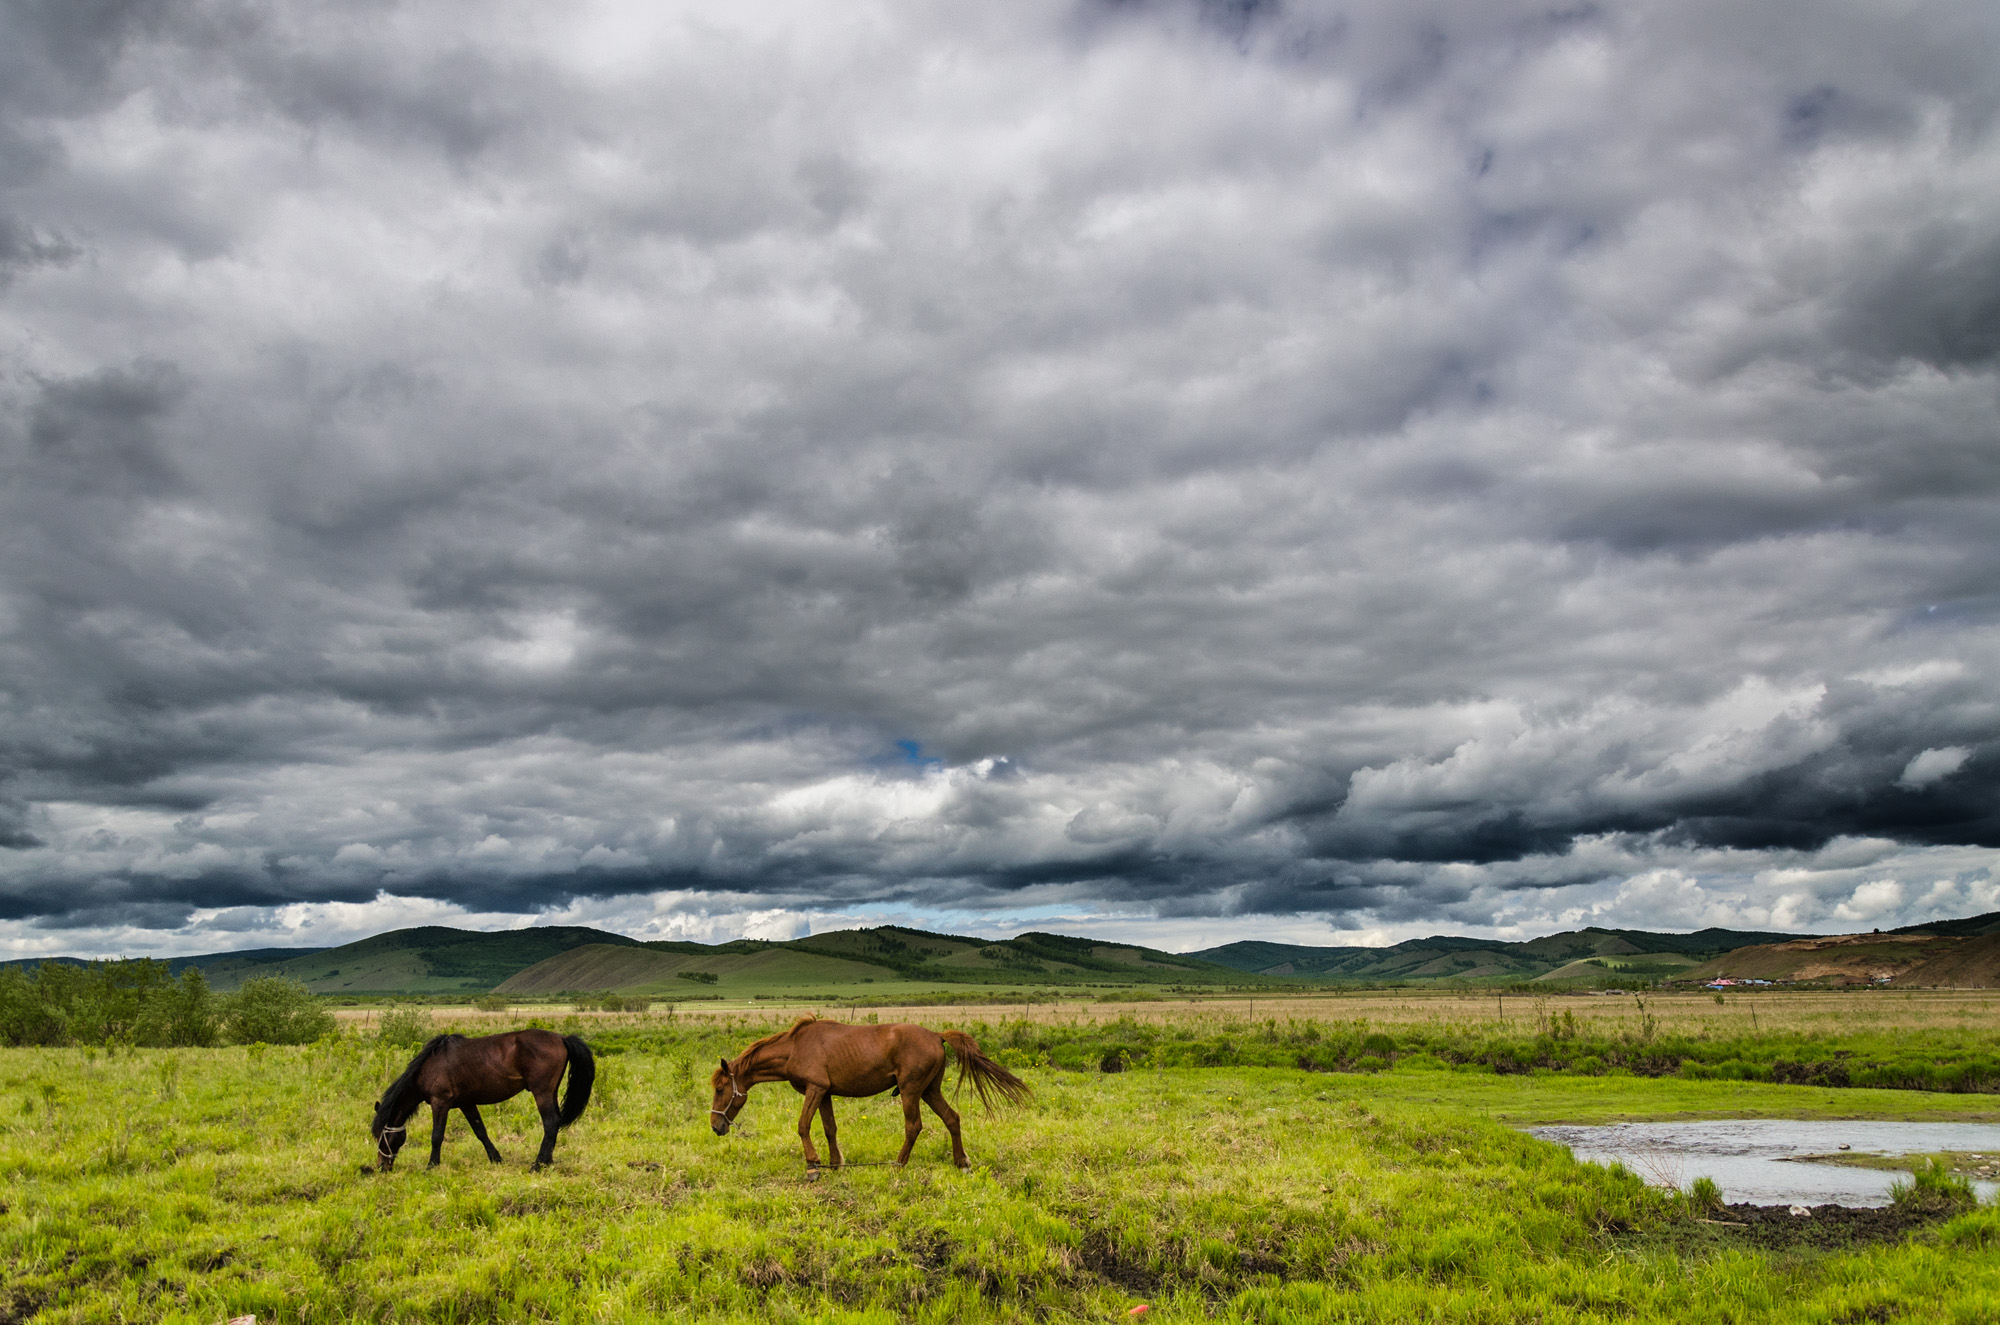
(582, 1071)
(985, 1073)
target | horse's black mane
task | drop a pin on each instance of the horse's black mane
(401, 1099)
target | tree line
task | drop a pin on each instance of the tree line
(139, 1002)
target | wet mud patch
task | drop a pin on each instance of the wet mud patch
(1826, 1227)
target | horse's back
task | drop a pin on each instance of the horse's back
(866, 1060)
(490, 1068)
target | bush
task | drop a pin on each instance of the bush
(273, 1009)
(125, 1002)
(700, 977)
(492, 1003)
(404, 1025)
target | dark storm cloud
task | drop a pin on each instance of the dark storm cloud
(1449, 464)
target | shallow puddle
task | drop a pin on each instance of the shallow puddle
(1756, 1159)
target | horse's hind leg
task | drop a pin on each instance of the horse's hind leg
(545, 1104)
(913, 1124)
(478, 1125)
(439, 1112)
(826, 1125)
(935, 1098)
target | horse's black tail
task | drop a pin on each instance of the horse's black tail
(582, 1071)
(985, 1073)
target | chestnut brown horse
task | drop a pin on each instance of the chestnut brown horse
(452, 1072)
(824, 1059)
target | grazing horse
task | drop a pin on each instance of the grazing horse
(452, 1072)
(822, 1059)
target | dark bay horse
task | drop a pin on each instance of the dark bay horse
(824, 1059)
(452, 1072)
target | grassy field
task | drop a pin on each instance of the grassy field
(194, 1185)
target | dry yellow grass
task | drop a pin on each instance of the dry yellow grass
(1822, 1011)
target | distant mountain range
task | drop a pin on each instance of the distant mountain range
(572, 959)
(1579, 954)
(564, 959)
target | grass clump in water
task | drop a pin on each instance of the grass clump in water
(1932, 1186)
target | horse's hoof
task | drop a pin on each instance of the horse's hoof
(812, 1174)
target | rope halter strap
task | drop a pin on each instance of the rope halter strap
(736, 1093)
(382, 1141)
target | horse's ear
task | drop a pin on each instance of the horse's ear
(725, 1064)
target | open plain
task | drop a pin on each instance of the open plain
(197, 1185)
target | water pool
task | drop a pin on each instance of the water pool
(1756, 1159)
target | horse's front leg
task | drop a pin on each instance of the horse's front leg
(439, 1112)
(826, 1125)
(545, 1104)
(478, 1125)
(813, 1094)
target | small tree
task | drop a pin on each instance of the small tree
(275, 1010)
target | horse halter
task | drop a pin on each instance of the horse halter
(382, 1141)
(736, 1093)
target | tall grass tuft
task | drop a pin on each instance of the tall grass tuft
(1932, 1186)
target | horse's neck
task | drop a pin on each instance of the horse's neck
(770, 1063)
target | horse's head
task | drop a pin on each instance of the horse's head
(728, 1101)
(388, 1140)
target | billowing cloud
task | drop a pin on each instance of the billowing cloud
(1133, 467)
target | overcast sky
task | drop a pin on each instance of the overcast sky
(1177, 471)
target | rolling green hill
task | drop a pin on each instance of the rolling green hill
(846, 958)
(427, 960)
(1585, 954)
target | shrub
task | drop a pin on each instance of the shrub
(404, 1025)
(492, 1003)
(275, 1010)
(700, 977)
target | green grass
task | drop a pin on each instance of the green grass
(194, 1185)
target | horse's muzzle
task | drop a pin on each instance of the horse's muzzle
(721, 1128)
